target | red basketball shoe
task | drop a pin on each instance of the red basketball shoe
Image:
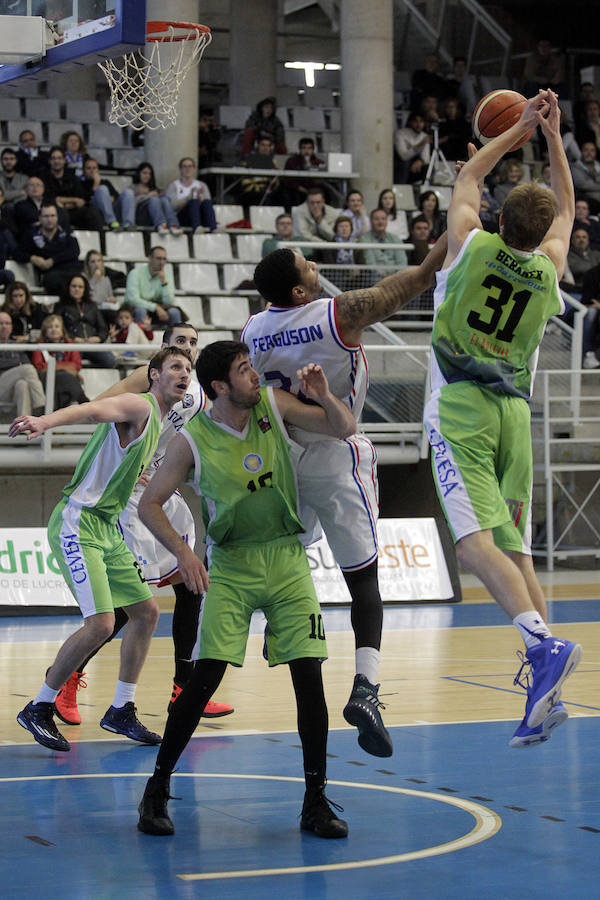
(66, 702)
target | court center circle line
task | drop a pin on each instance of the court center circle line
(487, 823)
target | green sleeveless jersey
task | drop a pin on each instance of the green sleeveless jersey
(491, 308)
(106, 473)
(246, 479)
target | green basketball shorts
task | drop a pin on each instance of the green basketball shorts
(94, 560)
(274, 577)
(482, 462)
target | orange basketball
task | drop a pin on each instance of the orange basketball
(496, 113)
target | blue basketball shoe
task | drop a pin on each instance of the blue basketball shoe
(528, 737)
(123, 720)
(551, 661)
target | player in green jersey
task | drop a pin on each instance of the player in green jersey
(493, 298)
(239, 459)
(99, 569)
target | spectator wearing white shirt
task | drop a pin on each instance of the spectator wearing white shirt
(191, 199)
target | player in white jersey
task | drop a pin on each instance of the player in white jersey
(337, 480)
(158, 565)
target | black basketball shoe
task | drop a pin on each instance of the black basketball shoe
(154, 818)
(317, 815)
(362, 711)
(38, 718)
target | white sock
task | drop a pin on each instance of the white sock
(46, 695)
(532, 628)
(124, 693)
(367, 663)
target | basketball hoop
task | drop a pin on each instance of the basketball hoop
(143, 91)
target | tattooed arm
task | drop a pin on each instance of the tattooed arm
(357, 309)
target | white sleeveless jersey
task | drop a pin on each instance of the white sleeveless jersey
(283, 339)
(182, 412)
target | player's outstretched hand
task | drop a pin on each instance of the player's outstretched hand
(550, 123)
(535, 108)
(461, 162)
(313, 382)
(35, 425)
(191, 569)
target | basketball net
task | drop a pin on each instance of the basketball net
(144, 89)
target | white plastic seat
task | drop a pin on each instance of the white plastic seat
(405, 198)
(10, 108)
(305, 118)
(44, 109)
(177, 246)
(127, 245)
(96, 381)
(333, 119)
(249, 247)
(212, 247)
(83, 110)
(192, 307)
(22, 272)
(234, 274)
(227, 213)
(127, 157)
(263, 217)
(87, 240)
(100, 154)
(120, 182)
(101, 134)
(199, 278)
(208, 337)
(232, 312)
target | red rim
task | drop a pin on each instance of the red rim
(154, 29)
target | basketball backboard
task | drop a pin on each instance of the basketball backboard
(76, 33)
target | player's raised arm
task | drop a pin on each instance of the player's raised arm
(330, 417)
(126, 408)
(355, 310)
(171, 475)
(463, 212)
(557, 239)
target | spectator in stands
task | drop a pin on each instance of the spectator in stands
(355, 211)
(30, 159)
(26, 314)
(83, 320)
(152, 207)
(126, 331)
(263, 122)
(429, 109)
(413, 146)
(428, 81)
(349, 279)
(19, 382)
(590, 297)
(590, 223)
(396, 223)
(544, 69)
(586, 176)
(589, 126)
(53, 252)
(429, 206)
(587, 92)
(26, 213)
(387, 254)
(489, 210)
(284, 231)
(75, 151)
(580, 259)
(454, 131)
(68, 387)
(305, 160)
(11, 181)
(8, 244)
(460, 85)
(510, 174)
(65, 190)
(191, 199)
(102, 290)
(419, 236)
(117, 209)
(209, 135)
(150, 288)
(256, 190)
(313, 219)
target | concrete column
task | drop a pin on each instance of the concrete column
(252, 51)
(164, 147)
(367, 92)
